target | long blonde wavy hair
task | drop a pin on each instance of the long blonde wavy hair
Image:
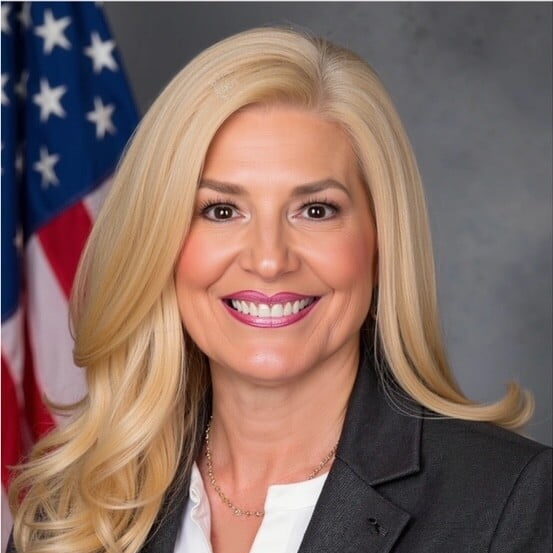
(98, 483)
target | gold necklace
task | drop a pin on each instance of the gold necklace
(225, 499)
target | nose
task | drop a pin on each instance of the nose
(268, 249)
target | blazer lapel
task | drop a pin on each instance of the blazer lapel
(378, 444)
(352, 517)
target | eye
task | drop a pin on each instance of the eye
(222, 209)
(219, 207)
(316, 208)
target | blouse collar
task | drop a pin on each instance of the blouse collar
(280, 497)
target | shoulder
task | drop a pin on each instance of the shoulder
(503, 476)
(479, 451)
(494, 481)
(480, 444)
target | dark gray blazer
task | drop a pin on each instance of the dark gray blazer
(407, 484)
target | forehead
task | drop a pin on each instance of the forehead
(279, 143)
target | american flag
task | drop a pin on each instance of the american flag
(67, 114)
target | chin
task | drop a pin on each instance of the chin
(266, 366)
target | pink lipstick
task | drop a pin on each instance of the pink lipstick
(271, 322)
(258, 297)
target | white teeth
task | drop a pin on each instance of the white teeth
(276, 310)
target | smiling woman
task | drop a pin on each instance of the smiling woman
(256, 312)
(317, 239)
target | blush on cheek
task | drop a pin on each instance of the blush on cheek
(354, 265)
(203, 260)
(358, 262)
(194, 256)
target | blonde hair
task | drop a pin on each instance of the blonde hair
(98, 483)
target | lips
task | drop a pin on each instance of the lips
(258, 297)
(270, 321)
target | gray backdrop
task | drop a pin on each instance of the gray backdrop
(472, 82)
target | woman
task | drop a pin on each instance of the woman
(256, 310)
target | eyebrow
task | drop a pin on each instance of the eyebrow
(301, 190)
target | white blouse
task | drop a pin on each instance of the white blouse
(288, 509)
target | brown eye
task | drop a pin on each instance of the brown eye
(317, 210)
(222, 211)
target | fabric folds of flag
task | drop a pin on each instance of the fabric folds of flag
(67, 114)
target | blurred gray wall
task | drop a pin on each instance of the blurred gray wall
(472, 82)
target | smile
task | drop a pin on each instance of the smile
(264, 315)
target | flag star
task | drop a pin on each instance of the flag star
(52, 32)
(100, 53)
(25, 15)
(4, 99)
(21, 86)
(49, 100)
(45, 166)
(6, 8)
(101, 117)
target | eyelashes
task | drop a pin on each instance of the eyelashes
(207, 205)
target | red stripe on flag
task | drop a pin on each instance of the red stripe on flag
(12, 446)
(63, 240)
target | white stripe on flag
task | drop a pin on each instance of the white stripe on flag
(94, 201)
(13, 349)
(50, 341)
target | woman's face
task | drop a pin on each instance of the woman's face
(270, 237)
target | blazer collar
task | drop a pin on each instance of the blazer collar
(378, 444)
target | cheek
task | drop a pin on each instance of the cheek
(201, 261)
(348, 260)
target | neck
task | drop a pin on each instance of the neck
(266, 434)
